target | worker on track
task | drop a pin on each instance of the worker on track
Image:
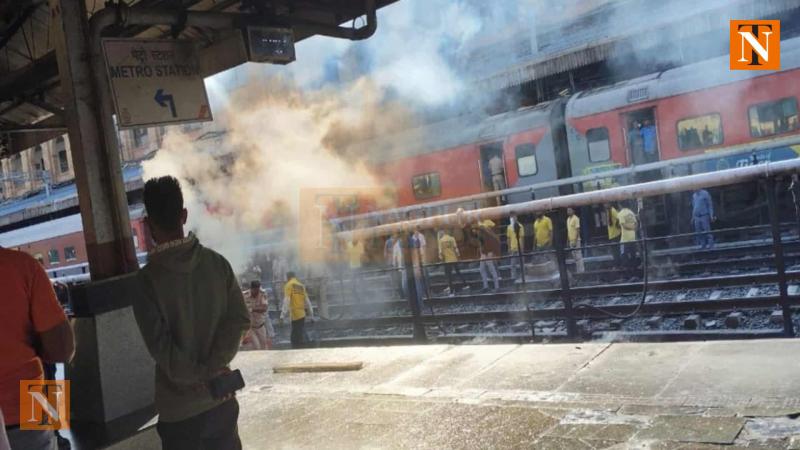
(355, 257)
(702, 216)
(488, 246)
(628, 224)
(449, 254)
(295, 305)
(543, 232)
(574, 238)
(613, 231)
(515, 240)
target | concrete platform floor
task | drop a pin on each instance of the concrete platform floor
(743, 394)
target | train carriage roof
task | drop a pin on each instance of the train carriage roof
(466, 129)
(50, 229)
(692, 77)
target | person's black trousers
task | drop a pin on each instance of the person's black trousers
(298, 332)
(215, 429)
(449, 268)
(615, 253)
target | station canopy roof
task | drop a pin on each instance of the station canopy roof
(31, 101)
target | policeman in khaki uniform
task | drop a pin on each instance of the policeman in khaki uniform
(295, 304)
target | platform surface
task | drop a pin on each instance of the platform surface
(730, 395)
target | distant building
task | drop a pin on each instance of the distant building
(51, 162)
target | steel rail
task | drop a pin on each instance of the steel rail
(659, 308)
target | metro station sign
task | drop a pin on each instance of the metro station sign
(155, 82)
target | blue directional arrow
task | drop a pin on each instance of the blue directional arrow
(164, 99)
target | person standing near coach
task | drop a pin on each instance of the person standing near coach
(574, 238)
(702, 216)
(29, 313)
(614, 231)
(295, 304)
(515, 241)
(192, 317)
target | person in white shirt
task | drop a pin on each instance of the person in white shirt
(397, 264)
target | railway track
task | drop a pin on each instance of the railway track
(694, 299)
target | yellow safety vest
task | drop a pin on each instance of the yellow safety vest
(511, 236)
(573, 227)
(627, 219)
(355, 253)
(613, 224)
(447, 248)
(296, 293)
(543, 231)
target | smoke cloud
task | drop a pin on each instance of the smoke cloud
(281, 129)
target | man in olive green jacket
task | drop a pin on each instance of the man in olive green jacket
(192, 317)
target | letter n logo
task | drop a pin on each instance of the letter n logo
(755, 45)
(44, 405)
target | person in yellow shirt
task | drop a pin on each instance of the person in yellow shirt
(355, 253)
(628, 224)
(449, 254)
(574, 238)
(515, 240)
(543, 232)
(486, 223)
(295, 304)
(613, 230)
(355, 256)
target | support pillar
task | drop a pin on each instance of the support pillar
(780, 263)
(112, 372)
(93, 141)
(560, 244)
(411, 292)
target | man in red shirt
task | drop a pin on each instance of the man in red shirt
(33, 328)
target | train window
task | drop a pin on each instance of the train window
(599, 148)
(526, 160)
(63, 162)
(427, 185)
(53, 257)
(70, 254)
(775, 117)
(140, 136)
(700, 131)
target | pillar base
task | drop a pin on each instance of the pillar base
(112, 374)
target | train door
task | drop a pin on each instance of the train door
(641, 135)
(492, 167)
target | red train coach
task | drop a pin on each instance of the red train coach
(451, 159)
(693, 109)
(60, 246)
